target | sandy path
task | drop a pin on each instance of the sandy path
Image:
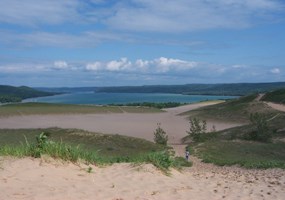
(276, 106)
(33, 179)
(130, 124)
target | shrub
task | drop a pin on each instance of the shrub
(160, 136)
(261, 130)
(197, 129)
(161, 160)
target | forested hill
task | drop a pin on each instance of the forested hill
(235, 89)
(17, 94)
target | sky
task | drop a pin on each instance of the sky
(78, 43)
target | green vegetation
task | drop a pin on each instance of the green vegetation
(198, 128)
(17, 94)
(259, 143)
(233, 89)
(8, 99)
(236, 110)
(277, 96)
(261, 130)
(160, 136)
(77, 145)
(152, 105)
(45, 108)
(243, 153)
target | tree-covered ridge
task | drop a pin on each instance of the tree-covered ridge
(234, 89)
(17, 94)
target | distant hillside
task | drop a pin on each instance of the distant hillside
(277, 96)
(17, 94)
(67, 89)
(235, 89)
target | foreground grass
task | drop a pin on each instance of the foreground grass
(76, 145)
(45, 108)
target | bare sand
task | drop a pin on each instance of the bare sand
(129, 124)
(45, 179)
(276, 106)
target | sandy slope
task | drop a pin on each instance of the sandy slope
(276, 106)
(33, 179)
(130, 124)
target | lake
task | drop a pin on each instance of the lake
(123, 98)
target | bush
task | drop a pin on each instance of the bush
(160, 136)
(261, 130)
(197, 129)
(161, 160)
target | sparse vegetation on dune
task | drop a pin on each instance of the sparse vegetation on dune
(45, 108)
(75, 145)
(258, 144)
(236, 110)
(276, 96)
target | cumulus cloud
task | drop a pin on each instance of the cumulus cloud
(158, 65)
(118, 65)
(95, 66)
(275, 71)
(60, 65)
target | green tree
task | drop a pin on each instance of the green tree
(261, 130)
(160, 136)
(197, 129)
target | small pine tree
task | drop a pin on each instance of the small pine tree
(261, 130)
(197, 129)
(160, 136)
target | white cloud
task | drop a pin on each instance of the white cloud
(275, 71)
(60, 65)
(239, 66)
(165, 64)
(95, 66)
(118, 65)
(159, 65)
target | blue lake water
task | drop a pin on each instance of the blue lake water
(123, 98)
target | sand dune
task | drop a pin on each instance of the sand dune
(46, 178)
(49, 179)
(130, 124)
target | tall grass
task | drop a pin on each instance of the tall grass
(162, 159)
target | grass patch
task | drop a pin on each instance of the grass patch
(74, 145)
(243, 153)
(277, 96)
(236, 110)
(45, 108)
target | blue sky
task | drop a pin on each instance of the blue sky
(141, 42)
